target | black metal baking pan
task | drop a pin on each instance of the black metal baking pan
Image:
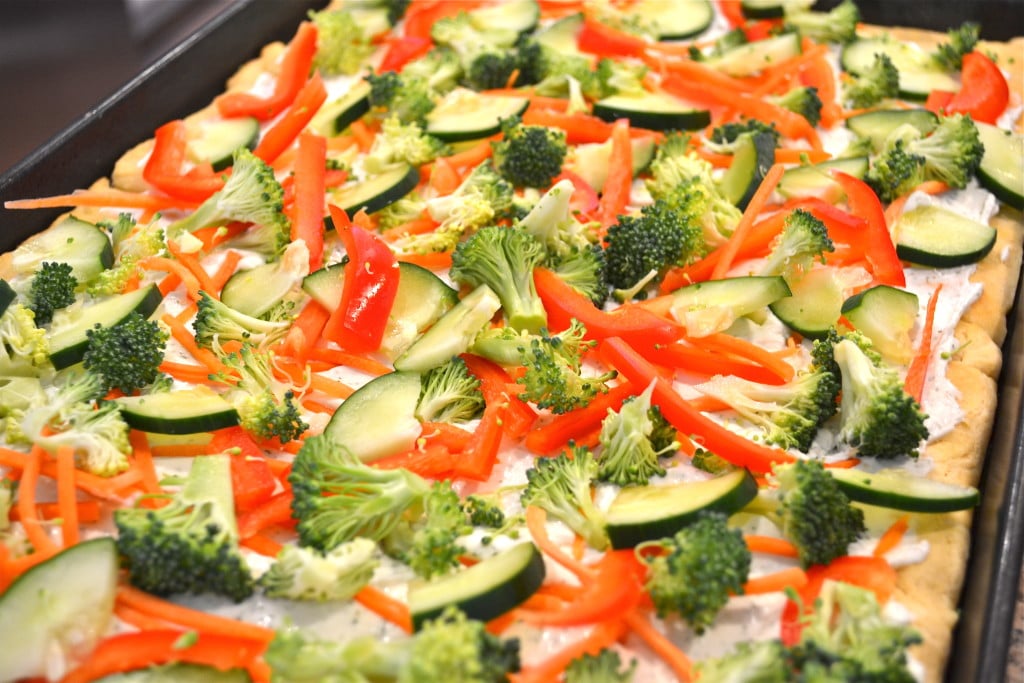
(189, 76)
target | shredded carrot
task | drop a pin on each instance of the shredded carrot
(726, 343)
(437, 260)
(770, 545)
(362, 134)
(264, 545)
(776, 582)
(417, 226)
(191, 261)
(600, 637)
(34, 527)
(535, 521)
(177, 268)
(179, 450)
(661, 645)
(385, 606)
(224, 271)
(844, 464)
(349, 360)
(66, 495)
(138, 619)
(184, 616)
(331, 387)
(444, 179)
(918, 371)
(739, 234)
(184, 337)
(892, 536)
(471, 156)
(108, 197)
(144, 461)
(87, 511)
(186, 372)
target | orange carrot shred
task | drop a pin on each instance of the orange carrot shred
(892, 536)
(34, 528)
(66, 495)
(185, 616)
(757, 203)
(918, 371)
(662, 646)
(776, 582)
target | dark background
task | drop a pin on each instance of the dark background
(58, 58)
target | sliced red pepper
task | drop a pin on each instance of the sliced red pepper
(494, 382)
(163, 168)
(252, 480)
(733, 12)
(477, 461)
(371, 282)
(615, 195)
(421, 16)
(310, 176)
(938, 100)
(879, 248)
(283, 133)
(584, 197)
(403, 50)
(984, 92)
(276, 511)
(603, 40)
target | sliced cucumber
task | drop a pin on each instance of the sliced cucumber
(590, 160)
(221, 139)
(1002, 171)
(7, 296)
(378, 191)
(763, 9)
(467, 115)
(560, 35)
(886, 315)
(68, 331)
(484, 591)
(674, 20)
(179, 672)
(877, 126)
(815, 305)
(58, 609)
(752, 58)
(379, 419)
(898, 490)
(919, 73)
(647, 513)
(712, 306)
(187, 411)
(337, 115)
(453, 333)
(83, 246)
(255, 291)
(326, 284)
(520, 16)
(654, 111)
(937, 237)
(754, 155)
(372, 21)
(815, 180)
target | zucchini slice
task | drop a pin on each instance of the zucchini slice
(590, 160)
(754, 155)
(752, 58)
(815, 180)
(221, 139)
(68, 331)
(484, 591)
(934, 236)
(7, 296)
(886, 315)
(467, 115)
(815, 305)
(919, 73)
(378, 191)
(254, 291)
(647, 513)
(674, 20)
(379, 419)
(520, 16)
(1001, 171)
(877, 126)
(712, 306)
(654, 111)
(898, 490)
(82, 245)
(337, 115)
(59, 608)
(187, 411)
(763, 9)
(560, 35)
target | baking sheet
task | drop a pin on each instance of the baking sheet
(88, 149)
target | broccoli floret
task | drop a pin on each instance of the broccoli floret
(551, 221)
(878, 82)
(628, 456)
(561, 486)
(765, 661)
(504, 259)
(724, 137)
(399, 143)
(951, 154)
(18, 394)
(294, 657)
(604, 667)
(404, 97)
(307, 574)
(962, 40)
(131, 245)
(813, 512)
(839, 25)
(803, 240)
(190, 545)
(585, 270)
(408, 208)
(706, 461)
(896, 171)
(620, 78)
(24, 349)
(216, 323)
(483, 511)
(71, 417)
(492, 69)
(488, 55)
(53, 288)
(338, 497)
(449, 393)
(126, 355)
(529, 156)
(440, 68)
(802, 100)
(554, 365)
(428, 544)
(696, 571)
(341, 45)
(250, 195)
(640, 249)
(877, 415)
(266, 406)
(559, 71)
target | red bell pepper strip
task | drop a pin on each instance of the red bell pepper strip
(938, 100)
(252, 480)
(295, 66)
(283, 133)
(577, 423)
(477, 461)
(310, 177)
(984, 92)
(603, 40)
(733, 12)
(684, 417)
(494, 382)
(371, 282)
(403, 50)
(163, 168)
(879, 248)
(584, 197)
(277, 510)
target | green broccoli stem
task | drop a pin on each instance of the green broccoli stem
(209, 483)
(207, 214)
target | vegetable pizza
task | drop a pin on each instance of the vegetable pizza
(535, 340)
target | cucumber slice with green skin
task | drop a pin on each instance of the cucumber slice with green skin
(188, 411)
(674, 20)
(901, 491)
(754, 155)
(763, 9)
(815, 305)
(653, 110)
(68, 331)
(816, 180)
(467, 115)
(934, 236)
(886, 315)
(1001, 171)
(82, 245)
(453, 333)
(712, 306)
(752, 58)
(337, 115)
(255, 291)
(7, 296)
(647, 513)
(60, 607)
(484, 591)
(590, 160)
(560, 36)
(379, 419)
(520, 16)
(374, 193)
(221, 139)
(877, 126)
(919, 73)
(179, 672)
